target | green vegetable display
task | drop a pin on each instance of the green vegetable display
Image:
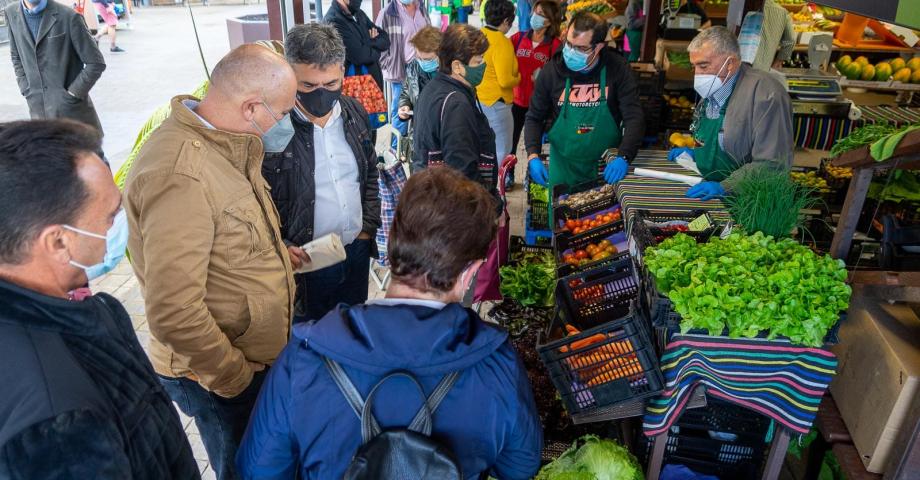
(531, 280)
(904, 185)
(766, 199)
(680, 59)
(538, 193)
(863, 136)
(750, 284)
(595, 459)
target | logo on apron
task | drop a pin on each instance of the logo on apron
(584, 128)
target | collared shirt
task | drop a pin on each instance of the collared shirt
(338, 190)
(410, 26)
(191, 105)
(719, 98)
(407, 301)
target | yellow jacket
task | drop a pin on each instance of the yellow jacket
(206, 248)
(501, 70)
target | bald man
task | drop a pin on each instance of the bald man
(206, 247)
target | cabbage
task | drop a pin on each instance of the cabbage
(595, 459)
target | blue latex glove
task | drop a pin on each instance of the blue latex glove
(706, 191)
(538, 171)
(615, 170)
(675, 152)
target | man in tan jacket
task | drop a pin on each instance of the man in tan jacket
(206, 248)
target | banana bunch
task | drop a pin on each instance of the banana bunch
(827, 25)
(839, 172)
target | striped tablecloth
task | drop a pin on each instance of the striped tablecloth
(776, 378)
(644, 193)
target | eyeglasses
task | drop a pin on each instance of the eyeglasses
(580, 48)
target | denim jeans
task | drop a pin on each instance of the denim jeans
(398, 123)
(501, 120)
(345, 282)
(221, 421)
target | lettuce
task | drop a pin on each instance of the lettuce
(595, 459)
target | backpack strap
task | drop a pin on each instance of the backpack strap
(444, 105)
(369, 426)
(434, 401)
(347, 388)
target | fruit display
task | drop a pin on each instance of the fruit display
(364, 89)
(680, 59)
(580, 199)
(678, 139)
(668, 231)
(677, 101)
(599, 7)
(601, 365)
(592, 253)
(838, 172)
(897, 69)
(581, 225)
(811, 180)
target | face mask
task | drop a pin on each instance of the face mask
(320, 101)
(577, 61)
(537, 22)
(354, 6)
(428, 66)
(116, 241)
(470, 291)
(276, 139)
(707, 84)
(407, 2)
(474, 75)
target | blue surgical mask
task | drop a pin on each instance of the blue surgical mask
(407, 2)
(277, 138)
(537, 22)
(576, 61)
(429, 65)
(116, 242)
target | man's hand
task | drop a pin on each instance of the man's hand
(373, 33)
(403, 112)
(615, 170)
(537, 170)
(299, 258)
(676, 152)
(706, 191)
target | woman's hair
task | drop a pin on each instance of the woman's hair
(497, 11)
(443, 222)
(427, 39)
(552, 11)
(460, 42)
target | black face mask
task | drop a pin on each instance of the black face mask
(320, 101)
(354, 6)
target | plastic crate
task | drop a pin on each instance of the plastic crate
(649, 81)
(621, 367)
(603, 203)
(900, 242)
(590, 298)
(563, 245)
(536, 236)
(539, 216)
(644, 231)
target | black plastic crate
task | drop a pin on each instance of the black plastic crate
(898, 239)
(602, 203)
(590, 298)
(620, 366)
(563, 245)
(649, 81)
(539, 216)
(645, 231)
(517, 246)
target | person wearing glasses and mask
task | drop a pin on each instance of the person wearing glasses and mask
(586, 100)
(206, 247)
(450, 127)
(743, 116)
(325, 180)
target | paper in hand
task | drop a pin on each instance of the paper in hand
(686, 161)
(324, 252)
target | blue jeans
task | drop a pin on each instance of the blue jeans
(220, 421)
(398, 123)
(501, 120)
(345, 282)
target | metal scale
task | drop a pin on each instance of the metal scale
(813, 91)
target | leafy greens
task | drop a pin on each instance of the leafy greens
(531, 280)
(595, 459)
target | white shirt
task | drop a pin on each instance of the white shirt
(407, 301)
(191, 105)
(338, 190)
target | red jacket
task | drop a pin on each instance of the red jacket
(530, 59)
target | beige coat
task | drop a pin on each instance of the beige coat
(206, 248)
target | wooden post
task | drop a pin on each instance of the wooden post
(777, 454)
(275, 30)
(856, 197)
(657, 458)
(650, 32)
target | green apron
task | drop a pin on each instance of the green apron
(579, 137)
(714, 164)
(635, 43)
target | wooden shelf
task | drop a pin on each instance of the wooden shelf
(908, 152)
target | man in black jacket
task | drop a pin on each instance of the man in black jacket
(364, 41)
(80, 400)
(591, 137)
(325, 181)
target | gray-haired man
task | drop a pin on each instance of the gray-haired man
(325, 180)
(745, 115)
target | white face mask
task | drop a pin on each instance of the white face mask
(707, 84)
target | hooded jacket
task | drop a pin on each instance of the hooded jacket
(80, 399)
(303, 424)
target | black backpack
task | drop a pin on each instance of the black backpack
(397, 453)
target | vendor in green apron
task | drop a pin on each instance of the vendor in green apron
(588, 95)
(635, 25)
(744, 115)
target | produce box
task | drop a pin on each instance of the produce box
(878, 378)
(536, 219)
(590, 250)
(675, 68)
(649, 81)
(588, 299)
(581, 200)
(602, 367)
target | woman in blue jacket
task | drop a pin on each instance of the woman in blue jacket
(302, 422)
